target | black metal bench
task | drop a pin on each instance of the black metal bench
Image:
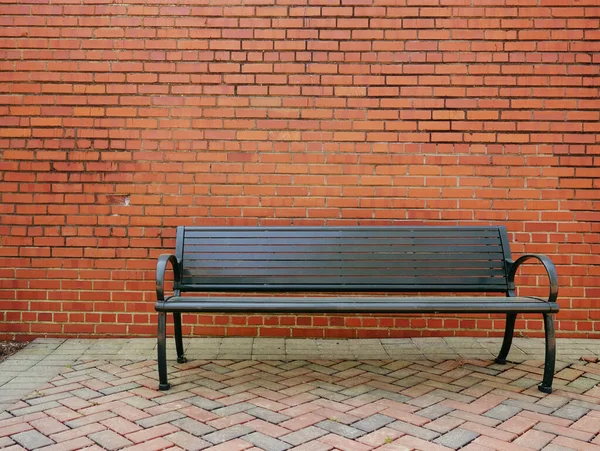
(303, 266)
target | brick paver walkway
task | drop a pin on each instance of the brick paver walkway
(309, 404)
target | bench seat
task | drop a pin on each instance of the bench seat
(358, 304)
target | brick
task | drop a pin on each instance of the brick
(151, 433)
(227, 434)
(265, 442)
(187, 441)
(109, 440)
(373, 422)
(534, 439)
(304, 435)
(31, 439)
(48, 426)
(457, 438)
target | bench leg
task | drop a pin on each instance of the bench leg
(550, 363)
(163, 384)
(178, 337)
(508, 337)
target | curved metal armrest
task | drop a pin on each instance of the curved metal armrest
(550, 269)
(161, 268)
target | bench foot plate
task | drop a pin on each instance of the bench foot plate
(500, 361)
(181, 360)
(545, 388)
(163, 387)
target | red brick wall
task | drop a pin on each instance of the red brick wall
(119, 121)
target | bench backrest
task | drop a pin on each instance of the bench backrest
(394, 258)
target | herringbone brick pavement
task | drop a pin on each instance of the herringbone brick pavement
(310, 405)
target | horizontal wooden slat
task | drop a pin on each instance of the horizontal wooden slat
(346, 272)
(437, 260)
(337, 287)
(418, 259)
(333, 241)
(370, 279)
(300, 232)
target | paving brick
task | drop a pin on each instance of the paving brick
(380, 437)
(518, 424)
(151, 433)
(503, 412)
(223, 423)
(314, 445)
(121, 425)
(110, 440)
(75, 444)
(161, 408)
(570, 412)
(489, 431)
(583, 384)
(304, 435)
(587, 423)
(564, 431)
(265, 442)
(155, 444)
(456, 438)
(14, 429)
(232, 445)
(234, 408)
(192, 426)
(88, 419)
(264, 427)
(492, 443)
(529, 406)
(227, 434)
(573, 444)
(368, 409)
(22, 411)
(31, 439)
(343, 443)
(48, 425)
(198, 414)
(405, 416)
(267, 415)
(444, 424)
(139, 402)
(546, 418)
(413, 430)
(302, 421)
(340, 417)
(159, 419)
(204, 403)
(74, 433)
(340, 429)
(435, 411)
(534, 439)
(422, 445)
(62, 413)
(373, 422)
(5, 442)
(187, 441)
(554, 447)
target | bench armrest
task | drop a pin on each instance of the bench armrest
(550, 269)
(161, 267)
